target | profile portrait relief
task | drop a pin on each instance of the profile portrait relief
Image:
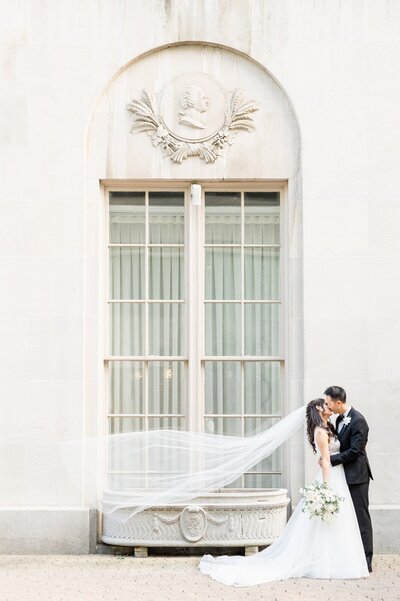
(195, 103)
(192, 115)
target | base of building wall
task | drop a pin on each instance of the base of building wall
(386, 527)
(73, 531)
(47, 531)
(222, 518)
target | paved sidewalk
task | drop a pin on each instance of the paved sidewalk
(111, 578)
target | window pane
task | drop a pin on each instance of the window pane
(124, 482)
(166, 273)
(118, 459)
(231, 426)
(262, 387)
(261, 273)
(119, 425)
(261, 329)
(223, 329)
(261, 218)
(254, 425)
(127, 328)
(166, 386)
(159, 459)
(223, 390)
(223, 216)
(223, 274)
(166, 329)
(129, 480)
(126, 379)
(167, 423)
(262, 480)
(273, 463)
(127, 217)
(166, 218)
(238, 483)
(126, 273)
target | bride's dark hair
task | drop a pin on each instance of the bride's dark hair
(314, 420)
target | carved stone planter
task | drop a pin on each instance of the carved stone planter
(228, 517)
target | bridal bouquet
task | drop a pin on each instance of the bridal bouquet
(320, 501)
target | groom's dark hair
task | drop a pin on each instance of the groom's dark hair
(337, 393)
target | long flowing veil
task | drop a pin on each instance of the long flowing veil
(162, 467)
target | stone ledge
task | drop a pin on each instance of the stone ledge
(48, 530)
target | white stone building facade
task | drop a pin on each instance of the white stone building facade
(325, 81)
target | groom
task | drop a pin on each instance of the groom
(352, 431)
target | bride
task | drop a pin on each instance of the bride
(307, 547)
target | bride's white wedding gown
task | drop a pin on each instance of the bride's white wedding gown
(306, 548)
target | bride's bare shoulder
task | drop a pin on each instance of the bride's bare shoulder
(321, 434)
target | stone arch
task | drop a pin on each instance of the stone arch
(271, 152)
(277, 131)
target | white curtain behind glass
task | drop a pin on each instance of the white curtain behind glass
(165, 282)
(261, 321)
(223, 281)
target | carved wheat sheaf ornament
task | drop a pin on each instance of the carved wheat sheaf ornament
(194, 117)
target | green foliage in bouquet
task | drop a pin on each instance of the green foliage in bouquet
(319, 501)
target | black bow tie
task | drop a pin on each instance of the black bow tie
(339, 419)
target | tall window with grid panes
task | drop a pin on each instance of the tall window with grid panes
(195, 315)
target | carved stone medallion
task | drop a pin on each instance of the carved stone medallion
(193, 107)
(194, 117)
(193, 523)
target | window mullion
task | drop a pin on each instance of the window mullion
(194, 317)
(146, 278)
(242, 313)
(242, 305)
(146, 332)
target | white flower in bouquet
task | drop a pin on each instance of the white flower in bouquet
(320, 501)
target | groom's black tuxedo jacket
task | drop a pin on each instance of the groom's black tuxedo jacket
(353, 439)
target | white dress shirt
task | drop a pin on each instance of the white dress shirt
(342, 424)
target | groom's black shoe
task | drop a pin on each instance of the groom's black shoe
(369, 568)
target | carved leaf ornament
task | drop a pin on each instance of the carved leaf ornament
(148, 120)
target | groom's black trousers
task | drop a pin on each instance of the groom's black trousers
(359, 494)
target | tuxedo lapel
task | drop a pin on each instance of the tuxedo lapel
(344, 427)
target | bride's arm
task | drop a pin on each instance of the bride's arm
(322, 441)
